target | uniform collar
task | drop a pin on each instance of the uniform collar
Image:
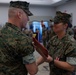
(12, 26)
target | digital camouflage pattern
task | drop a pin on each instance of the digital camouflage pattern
(13, 46)
(51, 33)
(44, 36)
(70, 31)
(21, 5)
(61, 17)
(28, 32)
(61, 49)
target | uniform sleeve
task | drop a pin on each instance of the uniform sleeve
(71, 54)
(28, 59)
(71, 60)
(70, 48)
(24, 45)
(71, 57)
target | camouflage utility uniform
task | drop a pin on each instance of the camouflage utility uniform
(44, 36)
(63, 49)
(51, 33)
(16, 51)
(70, 31)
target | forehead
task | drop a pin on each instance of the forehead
(58, 24)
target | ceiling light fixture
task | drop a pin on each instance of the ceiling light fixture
(56, 0)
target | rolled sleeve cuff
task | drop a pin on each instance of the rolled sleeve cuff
(71, 60)
(28, 59)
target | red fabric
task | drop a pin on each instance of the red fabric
(43, 50)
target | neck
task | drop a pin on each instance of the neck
(61, 34)
(14, 22)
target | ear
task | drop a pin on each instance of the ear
(65, 26)
(19, 15)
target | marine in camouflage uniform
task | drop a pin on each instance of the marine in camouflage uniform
(44, 35)
(16, 49)
(63, 49)
(51, 33)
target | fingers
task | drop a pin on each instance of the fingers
(49, 58)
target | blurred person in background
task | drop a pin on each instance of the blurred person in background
(74, 29)
(44, 33)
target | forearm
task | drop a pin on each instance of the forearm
(40, 60)
(63, 65)
(32, 68)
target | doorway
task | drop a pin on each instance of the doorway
(36, 25)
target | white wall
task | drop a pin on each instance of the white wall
(3, 14)
(42, 10)
(69, 8)
(36, 10)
